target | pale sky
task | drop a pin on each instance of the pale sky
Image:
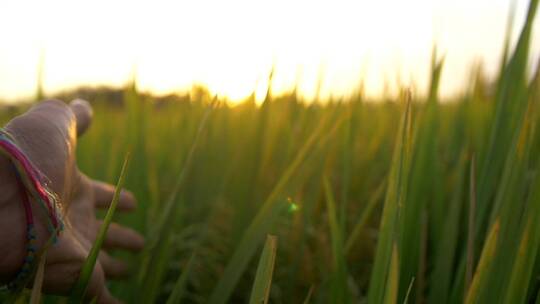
(230, 46)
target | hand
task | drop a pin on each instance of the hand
(47, 134)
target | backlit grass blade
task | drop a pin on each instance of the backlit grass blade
(180, 285)
(511, 102)
(309, 294)
(35, 296)
(422, 271)
(338, 277)
(446, 251)
(346, 168)
(423, 187)
(263, 278)
(482, 270)
(391, 292)
(380, 275)
(406, 300)
(470, 230)
(364, 217)
(509, 212)
(524, 264)
(527, 252)
(79, 290)
(508, 35)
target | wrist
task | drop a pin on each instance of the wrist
(22, 231)
(8, 187)
(12, 223)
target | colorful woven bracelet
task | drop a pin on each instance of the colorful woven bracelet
(33, 188)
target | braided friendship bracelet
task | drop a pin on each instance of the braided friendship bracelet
(33, 186)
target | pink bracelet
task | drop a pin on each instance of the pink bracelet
(32, 188)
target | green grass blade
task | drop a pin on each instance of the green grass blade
(470, 230)
(307, 300)
(482, 270)
(79, 290)
(406, 300)
(364, 217)
(180, 284)
(446, 251)
(511, 103)
(378, 285)
(391, 292)
(422, 190)
(346, 168)
(339, 268)
(35, 295)
(527, 253)
(263, 278)
(508, 35)
(509, 211)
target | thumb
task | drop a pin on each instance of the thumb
(83, 114)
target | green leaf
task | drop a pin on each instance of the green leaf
(364, 217)
(397, 182)
(263, 278)
(444, 256)
(339, 268)
(391, 292)
(481, 273)
(309, 294)
(79, 290)
(179, 287)
(511, 104)
(527, 252)
(406, 300)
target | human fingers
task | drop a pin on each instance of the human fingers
(64, 262)
(83, 114)
(120, 237)
(58, 274)
(113, 268)
(98, 290)
(50, 120)
(104, 193)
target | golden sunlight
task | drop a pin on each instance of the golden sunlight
(231, 46)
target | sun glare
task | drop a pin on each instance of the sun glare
(326, 47)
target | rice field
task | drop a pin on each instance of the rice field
(411, 200)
